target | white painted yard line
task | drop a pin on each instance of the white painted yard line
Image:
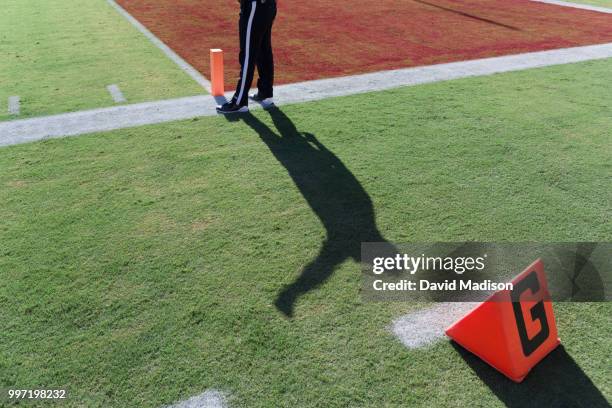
(14, 105)
(577, 6)
(98, 120)
(378, 81)
(116, 93)
(104, 119)
(184, 65)
(425, 327)
(208, 399)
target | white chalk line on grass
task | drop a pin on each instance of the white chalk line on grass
(599, 9)
(104, 119)
(424, 327)
(126, 116)
(116, 93)
(182, 64)
(208, 399)
(14, 105)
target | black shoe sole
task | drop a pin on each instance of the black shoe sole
(243, 109)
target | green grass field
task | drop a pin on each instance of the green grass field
(140, 267)
(56, 56)
(603, 3)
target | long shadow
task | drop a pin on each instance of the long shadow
(464, 14)
(557, 381)
(333, 193)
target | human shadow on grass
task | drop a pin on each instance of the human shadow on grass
(333, 193)
(557, 381)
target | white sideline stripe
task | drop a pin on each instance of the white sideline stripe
(245, 64)
(184, 65)
(576, 5)
(379, 81)
(208, 399)
(119, 117)
(104, 119)
(14, 105)
(424, 327)
(116, 93)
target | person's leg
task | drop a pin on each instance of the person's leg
(252, 28)
(265, 60)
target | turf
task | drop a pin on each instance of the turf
(140, 267)
(59, 56)
(603, 3)
(325, 38)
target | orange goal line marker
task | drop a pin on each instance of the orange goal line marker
(216, 72)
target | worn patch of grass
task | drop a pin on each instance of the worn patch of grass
(59, 56)
(141, 266)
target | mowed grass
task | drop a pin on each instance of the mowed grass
(59, 56)
(140, 267)
(603, 3)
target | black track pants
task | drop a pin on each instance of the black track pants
(256, 19)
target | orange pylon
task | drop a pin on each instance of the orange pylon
(216, 72)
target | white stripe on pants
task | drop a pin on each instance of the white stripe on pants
(245, 64)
